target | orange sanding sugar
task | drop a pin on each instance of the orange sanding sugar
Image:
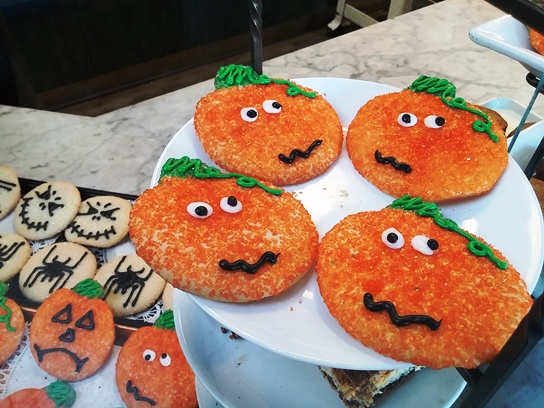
(478, 304)
(537, 41)
(186, 251)
(12, 327)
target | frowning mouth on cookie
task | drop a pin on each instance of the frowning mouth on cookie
(405, 167)
(79, 361)
(244, 266)
(132, 389)
(299, 153)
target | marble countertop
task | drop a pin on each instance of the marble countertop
(118, 151)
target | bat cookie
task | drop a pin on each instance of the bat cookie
(222, 236)
(415, 287)
(426, 142)
(270, 129)
(12, 325)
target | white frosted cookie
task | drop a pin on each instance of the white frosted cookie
(59, 265)
(10, 190)
(47, 209)
(14, 253)
(102, 222)
(168, 296)
(130, 285)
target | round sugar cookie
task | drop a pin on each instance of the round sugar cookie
(130, 285)
(47, 209)
(72, 332)
(12, 325)
(168, 296)
(102, 221)
(56, 266)
(269, 129)
(151, 369)
(58, 394)
(422, 141)
(10, 190)
(537, 40)
(14, 253)
(208, 235)
(457, 309)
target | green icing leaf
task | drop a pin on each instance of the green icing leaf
(61, 393)
(166, 320)
(3, 289)
(89, 288)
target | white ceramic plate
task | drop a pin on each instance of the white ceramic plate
(240, 374)
(508, 36)
(297, 323)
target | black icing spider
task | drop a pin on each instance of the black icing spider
(6, 252)
(127, 280)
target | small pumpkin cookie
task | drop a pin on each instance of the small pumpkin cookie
(10, 190)
(222, 236)
(47, 209)
(101, 222)
(130, 285)
(72, 332)
(12, 325)
(537, 40)
(58, 394)
(56, 266)
(14, 253)
(151, 369)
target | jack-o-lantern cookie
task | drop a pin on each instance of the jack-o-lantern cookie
(12, 325)
(101, 222)
(10, 190)
(58, 394)
(271, 129)
(130, 285)
(415, 287)
(222, 236)
(151, 369)
(72, 332)
(14, 253)
(426, 142)
(56, 266)
(47, 209)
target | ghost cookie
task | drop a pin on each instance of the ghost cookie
(58, 394)
(130, 285)
(47, 209)
(12, 325)
(101, 222)
(10, 190)
(72, 332)
(151, 369)
(14, 253)
(56, 266)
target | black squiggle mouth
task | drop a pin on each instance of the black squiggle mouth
(267, 257)
(405, 167)
(132, 389)
(76, 229)
(79, 361)
(296, 152)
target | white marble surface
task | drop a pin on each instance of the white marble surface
(118, 151)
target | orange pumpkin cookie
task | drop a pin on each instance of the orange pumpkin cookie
(151, 369)
(426, 142)
(12, 325)
(222, 236)
(415, 287)
(267, 128)
(58, 394)
(72, 332)
(537, 41)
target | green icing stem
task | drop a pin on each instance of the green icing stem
(446, 90)
(195, 168)
(428, 209)
(6, 317)
(61, 393)
(89, 288)
(166, 320)
(3, 289)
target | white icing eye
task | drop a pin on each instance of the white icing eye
(199, 209)
(148, 355)
(407, 119)
(230, 204)
(272, 106)
(435, 122)
(393, 238)
(165, 359)
(425, 245)
(249, 114)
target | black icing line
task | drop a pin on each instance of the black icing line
(405, 167)
(79, 362)
(132, 389)
(244, 266)
(296, 152)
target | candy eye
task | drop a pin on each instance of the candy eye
(199, 209)
(165, 360)
(230, 204)
(393, 238)
(435, 122)
(407, 119)
(148, 355)
(249, 114)
(425, 245)
(272, 106)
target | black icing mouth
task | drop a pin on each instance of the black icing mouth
(79, 361)
(96, 235)
(405, 167)
(299, 153)
(132, 389)
(244, 266)
(26, 221)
